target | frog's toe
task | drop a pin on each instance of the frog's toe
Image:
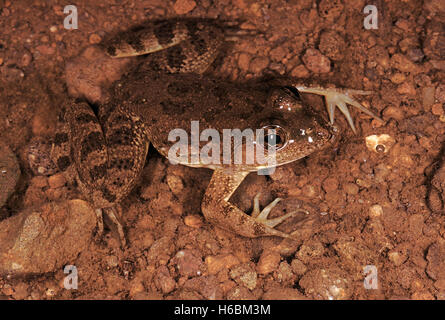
(100, 223)
(113, 223)
(262, 216)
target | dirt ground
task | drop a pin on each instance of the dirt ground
(378, 204)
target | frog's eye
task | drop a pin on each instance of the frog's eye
(292, 91)
(274, 137)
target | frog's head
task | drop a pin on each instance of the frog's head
(292, 129)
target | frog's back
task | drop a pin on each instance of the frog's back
(171, 101)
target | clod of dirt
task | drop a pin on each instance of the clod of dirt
(42, 240)
(245, 275)
(188, 263)
(316, 62)
(9, 173)
(436, 261)
(328, 284)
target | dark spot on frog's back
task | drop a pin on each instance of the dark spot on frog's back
(125, 163)
(178, 88)
(86, 118)
(108, 195)
(60, 138)
(258, 108)
(98, 171)
(136, 43)
(63, 163)
(120, 136)
(93, 142)
(170, 107)
(200, 46)
(175, 57)
(163, 31)
(111, 50)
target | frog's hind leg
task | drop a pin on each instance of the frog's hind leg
(218, 210)
(107, 160)
(181, 45)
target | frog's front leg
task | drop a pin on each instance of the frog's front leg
(339, 98)
(218, 210)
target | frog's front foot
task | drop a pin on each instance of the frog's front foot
(339, 98)
(262, 216)
(218, 210)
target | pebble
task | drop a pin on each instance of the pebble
(244, 275)
(330, 184)
(278, 53)
(188, 263)
(415, 54)
(9, 173)
(184, 6)
(193, 221)
(45, 49)
(404, 64)
(437, 109)
(351, 188)
(57, 181)
(11, 74)
(375, 211)
(406, 88)
(300, 71)
(26, 59)
(175, 184)
(298, 267)
(436, 260)
(308, 191)
(94, 38)
(38, 153)
(398, 78)
(428, 96)
(164, 281)
(244, 61)
(397, 258)
(316, 62)
(440, 93)
(217, 263)
(269, 261)
(328, 284)
(332, 45)
(330, 9)
(68, 224)
(258, 64)
(112, 261)
(393, 112)
(240, 293)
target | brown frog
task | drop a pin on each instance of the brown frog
(169, 91)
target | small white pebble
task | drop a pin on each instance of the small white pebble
(375, 211)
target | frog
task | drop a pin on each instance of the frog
(171, 88)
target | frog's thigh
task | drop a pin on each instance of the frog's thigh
(218, 210)
(127, 146)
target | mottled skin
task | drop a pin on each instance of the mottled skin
(168, 91)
